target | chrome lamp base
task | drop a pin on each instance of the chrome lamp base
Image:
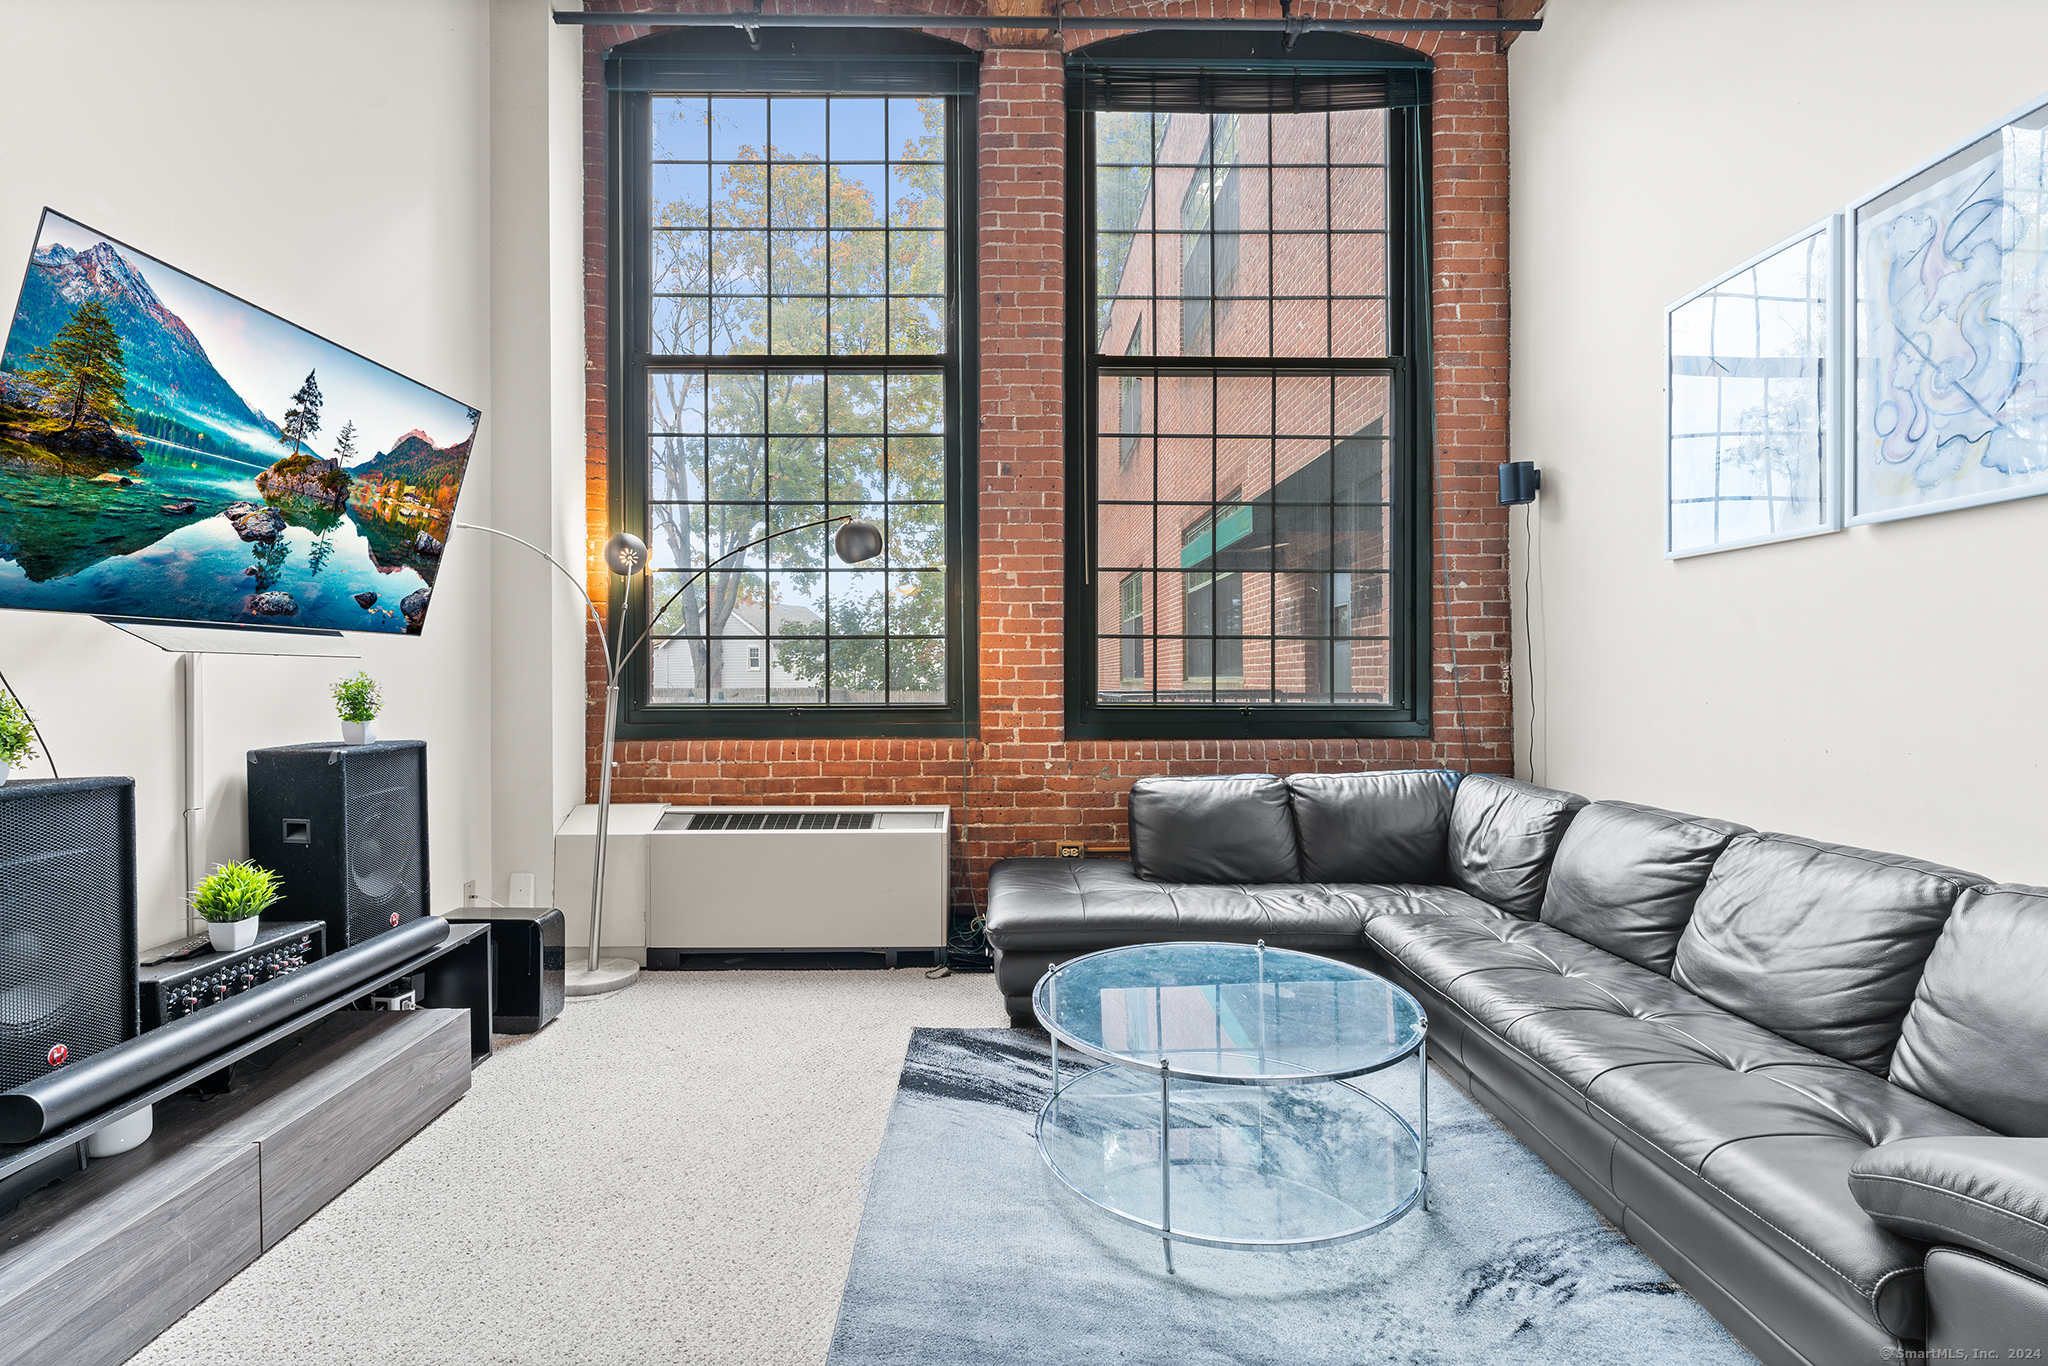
(611, 974)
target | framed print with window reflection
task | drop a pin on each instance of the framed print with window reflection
(1752, 449)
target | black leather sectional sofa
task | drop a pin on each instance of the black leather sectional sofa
(1810, 1081)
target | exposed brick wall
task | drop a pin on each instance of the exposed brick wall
(1029, 785)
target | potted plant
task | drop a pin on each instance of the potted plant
(358, 700)
(230, 898)
(17, 738)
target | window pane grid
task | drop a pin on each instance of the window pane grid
(798, 225)
(1229, 598)
(1248, 235)
(1242, 535)
(736, 453)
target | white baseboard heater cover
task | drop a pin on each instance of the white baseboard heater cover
(735, 878)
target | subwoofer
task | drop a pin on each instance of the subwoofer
(527, 944)
(67, 922)
(345, 829)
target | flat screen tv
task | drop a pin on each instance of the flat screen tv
(170, 451)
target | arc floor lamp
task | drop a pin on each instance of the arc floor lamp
(625, 554)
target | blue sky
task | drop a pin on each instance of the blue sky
(266, 358)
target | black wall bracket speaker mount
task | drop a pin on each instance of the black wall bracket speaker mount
(1519, 481)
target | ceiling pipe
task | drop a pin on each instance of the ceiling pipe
(751, 19)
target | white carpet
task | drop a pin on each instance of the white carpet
(673, 1174)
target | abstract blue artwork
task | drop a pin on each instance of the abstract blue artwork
(1952, 324)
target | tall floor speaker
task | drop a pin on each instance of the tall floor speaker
(67, 922)
(345, 829)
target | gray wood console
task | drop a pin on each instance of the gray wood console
(94, 1268)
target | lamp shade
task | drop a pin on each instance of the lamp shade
(857, 540)
(626, 554)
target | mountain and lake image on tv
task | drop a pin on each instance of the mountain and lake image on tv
(142, 472)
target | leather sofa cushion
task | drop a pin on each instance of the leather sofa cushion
(1766, 1129)
(1626, 877)
(1817, 942)
(1989, 1193)
(1503, 836)
(1974, 1037)
(1569, 1005)
(1213, 830)
(1064, 905)
(1373, 827)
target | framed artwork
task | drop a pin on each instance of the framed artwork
(1951, 278)
(1751, 438)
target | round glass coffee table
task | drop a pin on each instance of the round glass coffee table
(1223, 1114)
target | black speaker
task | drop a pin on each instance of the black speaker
(67, 922)
(527, 941)
(345, 829)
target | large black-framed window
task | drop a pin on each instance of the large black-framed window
(791, 334)
(1248, 521)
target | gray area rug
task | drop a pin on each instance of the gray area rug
(971, 1251)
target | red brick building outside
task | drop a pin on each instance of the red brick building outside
(1020, 785)
(1274, 536)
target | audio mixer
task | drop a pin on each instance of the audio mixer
(171, 990)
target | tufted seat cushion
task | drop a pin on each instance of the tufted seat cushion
(1763, 1128)
(1078, 905)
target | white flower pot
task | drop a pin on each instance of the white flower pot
(358, 732)
(231, 934)
(5, 774)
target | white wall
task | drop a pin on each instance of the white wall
(1880, 686)
(536, 680)
(333, 161)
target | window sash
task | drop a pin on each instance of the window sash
(1237, 704)
(636, 368)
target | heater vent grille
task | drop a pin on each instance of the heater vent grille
(774, 820)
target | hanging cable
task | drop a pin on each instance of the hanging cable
(1528, 637)
(1538, 723)
(968, 946)
(20, 706)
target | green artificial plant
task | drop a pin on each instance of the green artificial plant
(358, 699)
(235, 891)
(17, 736)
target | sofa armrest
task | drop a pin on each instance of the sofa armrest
(1978, 1191)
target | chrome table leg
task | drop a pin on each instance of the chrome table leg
(1166, 1163)
(1422, 1057)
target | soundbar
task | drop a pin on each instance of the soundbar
(49, 1102)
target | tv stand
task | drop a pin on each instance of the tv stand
(83, 1271)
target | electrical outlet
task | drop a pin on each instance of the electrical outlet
(469, 893)
(1070, 849)
(521, 893)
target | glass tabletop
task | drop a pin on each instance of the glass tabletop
(1229, 1012)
